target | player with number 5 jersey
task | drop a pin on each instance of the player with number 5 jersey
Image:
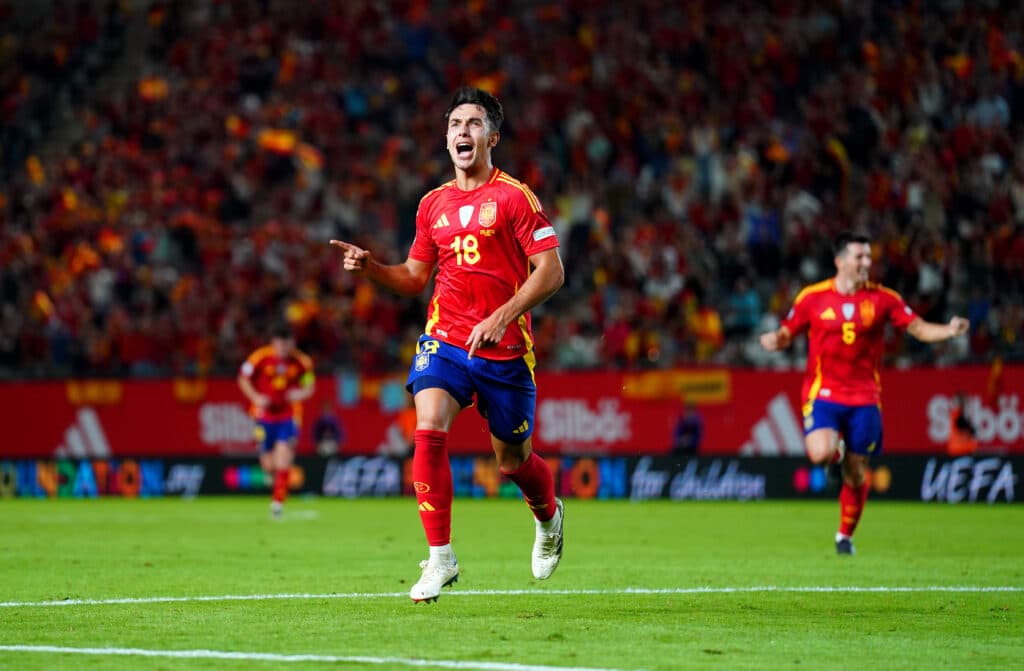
(496, 256)
(845, 320)
(845, 339)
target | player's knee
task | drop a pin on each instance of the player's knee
(432, 421)
(821, 445)
(819, 453)
(854, 471)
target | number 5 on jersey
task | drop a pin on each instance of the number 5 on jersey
(849, 334)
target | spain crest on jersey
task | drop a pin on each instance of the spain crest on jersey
(867, 312)
(488, 214)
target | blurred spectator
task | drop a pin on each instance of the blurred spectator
(328, 434)
(742, 309)
(399, 439)
(705, 325)
(962, 440)
(688, 431)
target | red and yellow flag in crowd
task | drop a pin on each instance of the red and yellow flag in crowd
(278, 141)
(153, 89)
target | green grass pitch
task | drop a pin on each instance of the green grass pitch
(329, 585)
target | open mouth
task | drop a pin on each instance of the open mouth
(464, 149)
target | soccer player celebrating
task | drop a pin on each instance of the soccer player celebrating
(845, 321)
(277, 378)
(497, 257)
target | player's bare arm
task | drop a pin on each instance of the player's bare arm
(406, 279)
(257, 399)
(776, 340)
(932, 332)
(547, 277)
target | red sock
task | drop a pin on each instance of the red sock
(851, 505)
(537, 485)
(432, 480)
(280, 490)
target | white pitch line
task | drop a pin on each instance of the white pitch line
(880, 589)
(274, 657)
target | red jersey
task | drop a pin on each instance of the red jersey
(481, 241)
(274, 376)
(845, 339)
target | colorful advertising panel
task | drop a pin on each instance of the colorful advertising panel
(741, 413)
(960, 480)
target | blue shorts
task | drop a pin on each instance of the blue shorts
(269, 434)
(506, 392)
(859, 425)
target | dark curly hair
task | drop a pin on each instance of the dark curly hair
(847, 237)
(467, 95)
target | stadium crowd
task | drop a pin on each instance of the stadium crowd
(70, 50)
(696, 159)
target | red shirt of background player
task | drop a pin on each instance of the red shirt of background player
(845, 339)
(273, 376)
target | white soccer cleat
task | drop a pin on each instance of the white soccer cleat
(436, 574)
(547, 545)
(276, 509)
(840, 453)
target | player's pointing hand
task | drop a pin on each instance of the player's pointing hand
(959, 325)
(356, 259)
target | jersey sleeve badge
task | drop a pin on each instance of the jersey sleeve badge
(543, 233)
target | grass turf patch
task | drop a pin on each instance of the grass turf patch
(325, 550)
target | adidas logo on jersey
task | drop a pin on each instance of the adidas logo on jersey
(829, 313)
(442, 221)
(776, 434)
(84, 438)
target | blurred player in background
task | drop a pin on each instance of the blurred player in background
(845, 319)
(497, 257)
(277, 378)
